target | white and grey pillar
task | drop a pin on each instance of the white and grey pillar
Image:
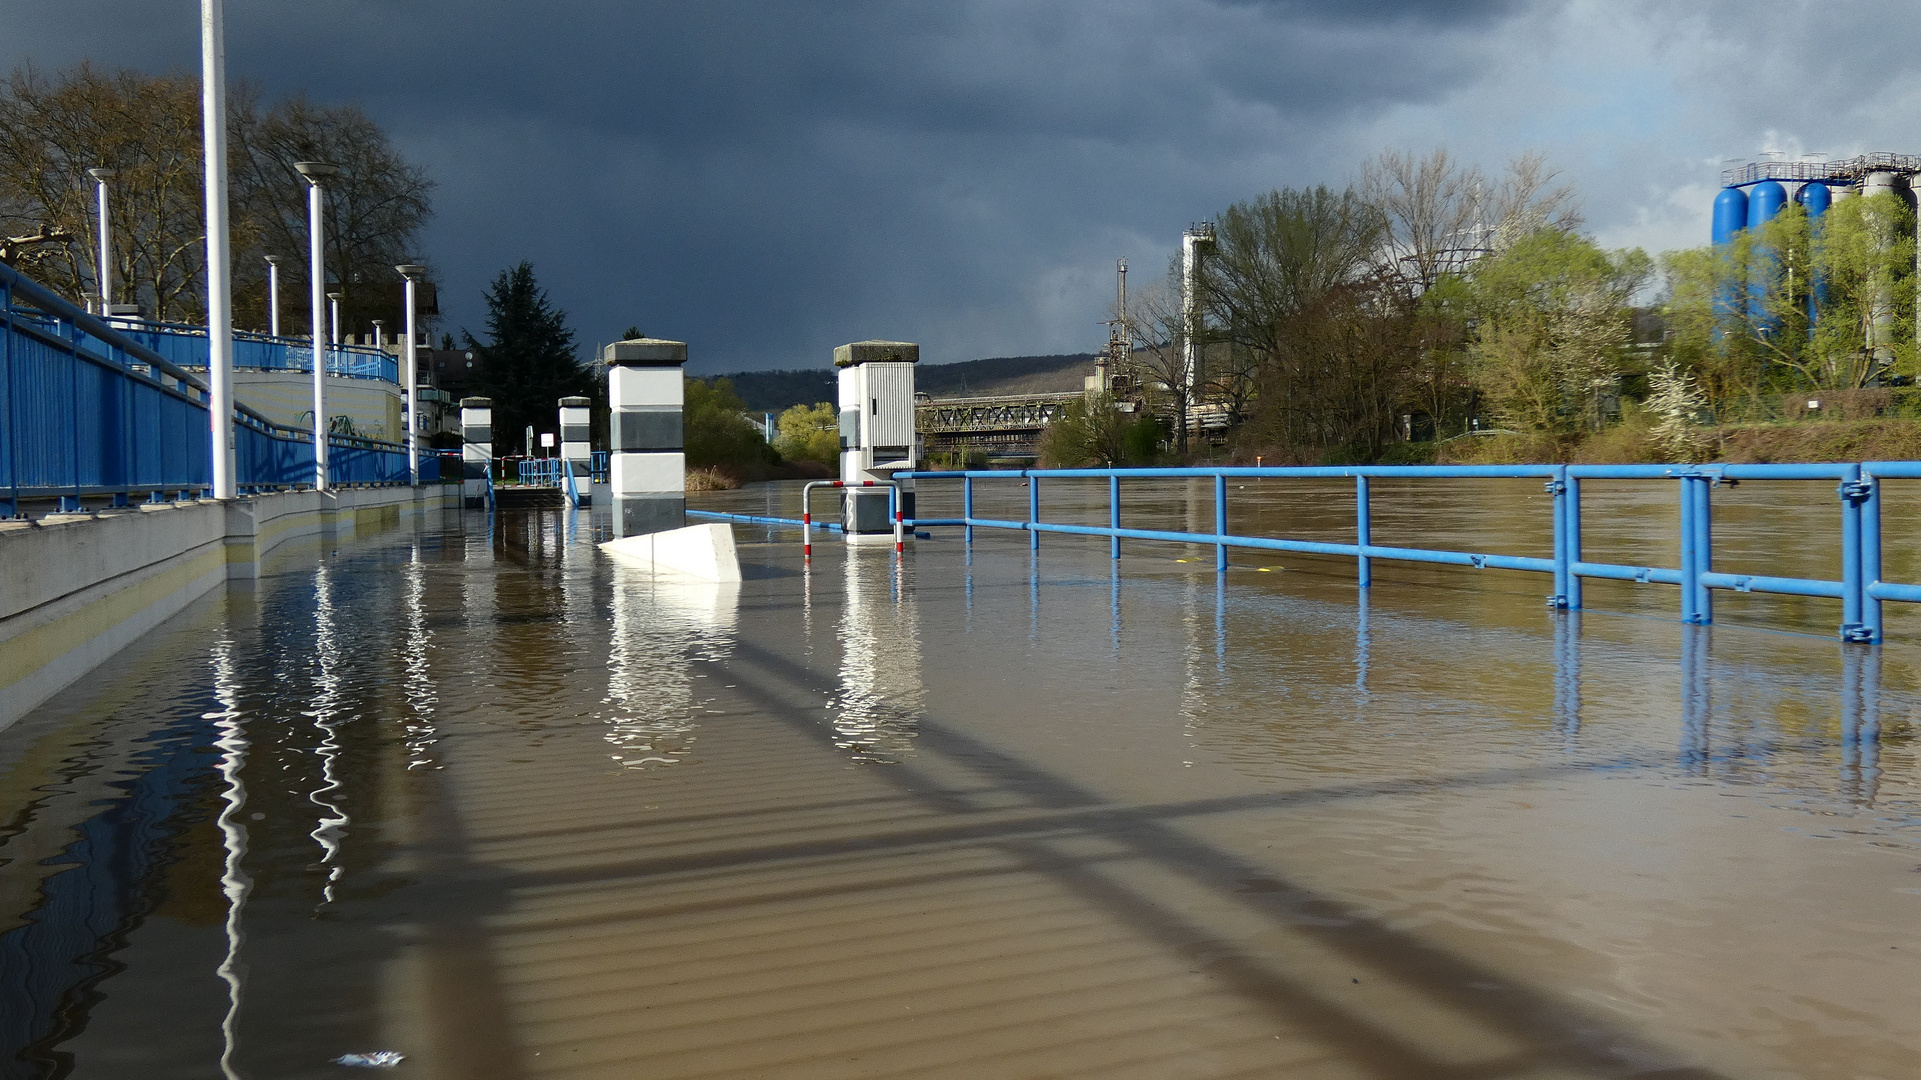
(576, 442)
(647, 471)
(476, 450)
(876, 433)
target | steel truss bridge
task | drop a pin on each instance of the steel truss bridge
(1004, 426)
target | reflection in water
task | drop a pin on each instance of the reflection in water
(1567, 676)
(235, 884)
(1861, 723)
(421, 734)
(878, 713)
(1697, 701)
(326, 705)
(661, 621)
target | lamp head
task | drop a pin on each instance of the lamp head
(100, 173)
(411, 271)
(315, 171)
(334, 296)
(272, 260)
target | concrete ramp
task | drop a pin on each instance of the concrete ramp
(702, 552)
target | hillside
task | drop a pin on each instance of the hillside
(773, 391)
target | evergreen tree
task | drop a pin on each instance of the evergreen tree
(528, 362)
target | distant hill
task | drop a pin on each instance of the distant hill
(773, 391)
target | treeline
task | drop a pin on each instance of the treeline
(147, 129)
(1428, 302)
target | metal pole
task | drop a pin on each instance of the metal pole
(333, 322)
(1690, 571)
(1363, 532)
(1033, 511)
(380, 337)
(1871, 557)
(1703, 549)
(315, 172)
(1558, 487)
(1220, 523)
(413, 274)
(213, 109)
(1114, 506)
(1573, 544)
(1851, 576)
(273, 295)
(967, 508)
(104, 278)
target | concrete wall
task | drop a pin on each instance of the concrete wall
(286, 397)
(80, 587)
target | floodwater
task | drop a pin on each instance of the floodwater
(477, 795)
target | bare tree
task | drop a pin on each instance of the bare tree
(148, 130)
(1156, 321)
(1441, 214)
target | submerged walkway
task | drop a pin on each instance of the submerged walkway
(485, 799)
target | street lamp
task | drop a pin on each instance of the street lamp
(105, 277)
(333, 331)
(315, 172)
(380, 338)
(273, 295)
(413, 273)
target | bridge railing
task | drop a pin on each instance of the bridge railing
(186, 347)
(86, 409)
(1860, 588)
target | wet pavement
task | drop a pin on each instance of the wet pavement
(479, 796)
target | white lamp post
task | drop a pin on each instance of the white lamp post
(213, 120)
(273, 295)
(105, 277)
(315, 172)
(380, 337)
(413, 274)
(333, 333)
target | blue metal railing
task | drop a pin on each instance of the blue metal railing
(1860, 590)
(186, 347)
(86, 409)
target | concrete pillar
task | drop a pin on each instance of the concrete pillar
(576, 443)
(876, 432)
(647, 472)
(476, 450)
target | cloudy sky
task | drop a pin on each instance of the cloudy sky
(767, 180)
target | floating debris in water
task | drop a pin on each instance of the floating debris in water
(379, 1059)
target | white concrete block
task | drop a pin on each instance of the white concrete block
(644, 386)
(647, 474)
(704, 552)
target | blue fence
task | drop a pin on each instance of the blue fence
(1860, 590)
(186, 347)
(86, 409)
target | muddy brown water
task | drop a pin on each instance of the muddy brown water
(477, 795)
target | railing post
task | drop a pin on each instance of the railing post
(1852, 492)
(1870, 557)
(967, 508)
(1690, 571)
(1703, 549)
(1033, 511)
(1114, 515)
(1363, 533)
(1220, 523)
(1572, 543)
(1557, 487)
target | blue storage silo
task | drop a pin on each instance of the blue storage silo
(1765, 201)
(1814, 198)
(1730, 214)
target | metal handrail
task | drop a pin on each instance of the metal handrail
(807, 513)
(1860, 590)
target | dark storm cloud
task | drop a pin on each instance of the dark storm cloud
(767, 180)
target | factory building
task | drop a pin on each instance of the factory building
(1754, 192)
